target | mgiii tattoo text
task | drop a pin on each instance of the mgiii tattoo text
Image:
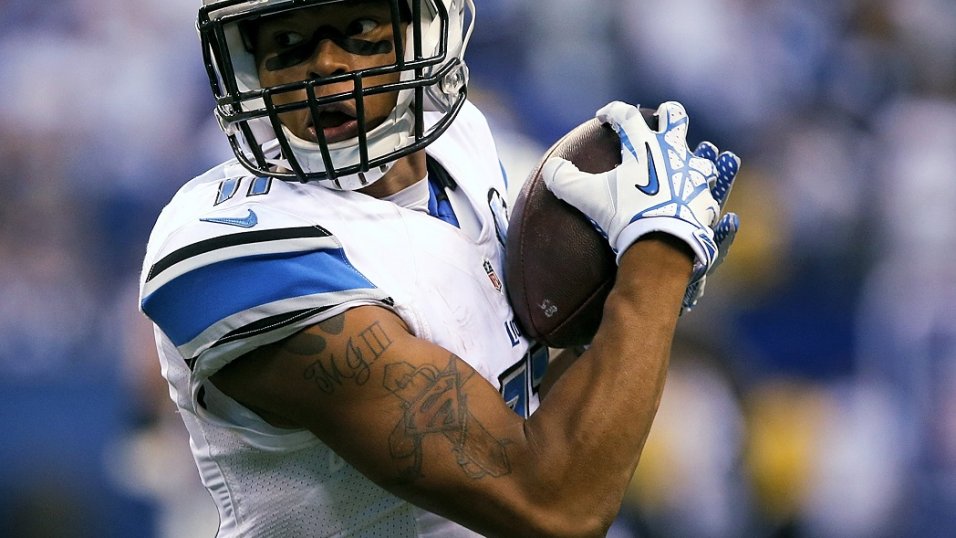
(353, 363)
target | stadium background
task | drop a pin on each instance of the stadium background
(812, 393)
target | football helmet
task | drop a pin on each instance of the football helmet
(428, 68)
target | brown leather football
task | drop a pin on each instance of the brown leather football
(559, 269)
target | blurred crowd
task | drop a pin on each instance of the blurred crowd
(812, 394)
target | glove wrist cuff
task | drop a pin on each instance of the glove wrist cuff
(685, 231)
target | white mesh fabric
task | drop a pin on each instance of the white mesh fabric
(307, 492)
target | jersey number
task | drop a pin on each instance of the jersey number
(521, 381)
(230, 187)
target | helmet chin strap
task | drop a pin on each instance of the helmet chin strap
(362, 179)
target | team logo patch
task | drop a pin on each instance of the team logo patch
(492, 275)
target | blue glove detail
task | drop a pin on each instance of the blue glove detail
(727, 164)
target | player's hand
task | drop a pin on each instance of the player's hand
(727, 164)
(660, 185)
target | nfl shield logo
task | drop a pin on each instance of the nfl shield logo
(490, 270)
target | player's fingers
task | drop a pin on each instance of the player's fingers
(693, 294)
(617, 113)
(707, 151)
(724, 234)
(728, 164)
(563, 178)
(627, 121)
(556, 170)
(726, 229)
(586, 192)
(671, 116)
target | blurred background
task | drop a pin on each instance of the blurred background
(812, 394)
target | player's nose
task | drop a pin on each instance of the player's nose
(328, 59)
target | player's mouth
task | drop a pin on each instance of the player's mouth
(337, 124)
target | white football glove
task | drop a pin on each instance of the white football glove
(660, 185)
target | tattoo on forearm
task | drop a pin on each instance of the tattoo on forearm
(353, 363)
(434, 403)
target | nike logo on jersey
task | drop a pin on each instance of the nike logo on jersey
(248, 221)
(652, 183)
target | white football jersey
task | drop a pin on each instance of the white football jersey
(236, 262)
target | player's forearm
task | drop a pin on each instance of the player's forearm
(556, 368)
(585, 430)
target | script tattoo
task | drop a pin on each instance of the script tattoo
(434, 404)
(353, 363)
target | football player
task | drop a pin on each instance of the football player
(329, 308)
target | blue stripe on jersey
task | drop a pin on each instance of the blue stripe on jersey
(191, 303)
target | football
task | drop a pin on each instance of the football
(559, 269)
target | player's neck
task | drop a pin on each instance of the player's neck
(404, 172)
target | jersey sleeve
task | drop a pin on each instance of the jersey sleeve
(220, 297)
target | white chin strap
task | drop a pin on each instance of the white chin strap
(394, 133)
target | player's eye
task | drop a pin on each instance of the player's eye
(284, 40)
(291, 49)
(360, 27)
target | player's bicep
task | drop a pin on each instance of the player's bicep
(405, 412)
